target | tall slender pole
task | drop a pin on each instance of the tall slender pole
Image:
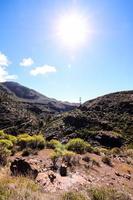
(80, 101)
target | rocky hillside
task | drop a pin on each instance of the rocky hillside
(106, 120)
(25, 109)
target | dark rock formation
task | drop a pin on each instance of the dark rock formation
(21, 167)
(63, 170)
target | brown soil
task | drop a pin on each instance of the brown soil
(86, 174)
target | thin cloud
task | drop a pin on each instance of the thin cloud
(26, 62)
(4, 75)
(4, 60)
(43, 70)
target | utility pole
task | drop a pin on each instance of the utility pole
(80, 101)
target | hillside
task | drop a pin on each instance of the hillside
(94, 159)
(106, 120)
(25, 109)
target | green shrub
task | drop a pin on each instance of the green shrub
(96, 150)
(104, 150)
(59, 151)
(73, 196)
(98, 194)
(53, 144)
(2, 133)
(19, 188)
(39, 141)
(4, 153)
(6, 143)
(70, 158)
(95, 162)
(36, 141)
(115, 151)
(78, 145)
(107, 194)
(24, 140)
(12, 138)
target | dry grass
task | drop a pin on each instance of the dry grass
(19, 188)
(22, 188)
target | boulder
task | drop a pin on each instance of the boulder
(63, 170)
(109, 139)
(52, 176)
(22, 167)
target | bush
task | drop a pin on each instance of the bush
(115, 151)
(12, 138)
(70, 158)
(4, 153)
(96, 150)
(107, 194)
(53, 144)
(73, 196)
(2, 133)
(24, 140)
(6, 143)
(36, 141)
(129, 152)
(39, 141)
(9, 137)
(95, 162)
(106, 160)
(104, 150)
(78, 145)
(19, 188)
(59, 151)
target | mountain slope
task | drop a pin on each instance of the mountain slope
(20, 105)
(29, 95)
(107, 120)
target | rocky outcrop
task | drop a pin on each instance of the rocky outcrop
(21, 167)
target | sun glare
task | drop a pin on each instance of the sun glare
(72, 30)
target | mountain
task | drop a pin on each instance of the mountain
(106, 120)
(24, 107)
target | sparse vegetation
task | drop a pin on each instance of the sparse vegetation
(78, 145)
(115, 151)
(96, 150)
(53, 144)
(107, 160)
(6, 143)
(4, 153)
(35, 141)
(107, 194)
(73, 196)
(129, 152)
(95, 162)
(18, 188)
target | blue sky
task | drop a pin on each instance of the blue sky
(29, 44)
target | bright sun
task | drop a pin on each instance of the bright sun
(72, 30)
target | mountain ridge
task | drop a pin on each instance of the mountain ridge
(20, 104)
(109, 116)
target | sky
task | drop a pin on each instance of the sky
(33, 53)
